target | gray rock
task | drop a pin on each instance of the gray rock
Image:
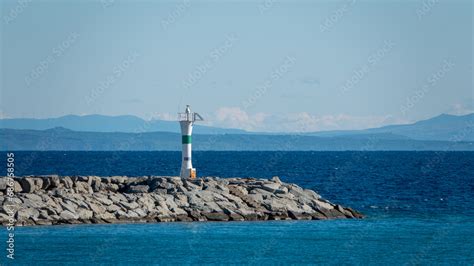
(25, 214)
(110, 187)
(276, 179)
(3, 183)
(96, 208)
(17, 187)
(129, 205)
(28, 185)
(95, 183)
(270, 187)
(34, 197)
(118, 179)
(84, 214)
(117, 197)
(82, 187)
(138, 189)
(113, 208)
(67, 182)
(68, 205)
(91, 199)
(216, 216)
(68, 215)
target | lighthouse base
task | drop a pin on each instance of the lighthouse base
(188, 173)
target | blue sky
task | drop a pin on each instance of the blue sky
(257, 65)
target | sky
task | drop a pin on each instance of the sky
(257, 65)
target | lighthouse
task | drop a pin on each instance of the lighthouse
(186, 120)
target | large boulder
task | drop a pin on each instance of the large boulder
(28, 213)
(28, 185)
(68, 215)
(3, 183)
(67, 182)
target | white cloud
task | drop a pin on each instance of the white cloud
(462, 108)
(163, 116)
(235, 117)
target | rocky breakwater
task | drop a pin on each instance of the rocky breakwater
(50, 200)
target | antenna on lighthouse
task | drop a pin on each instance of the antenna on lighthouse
(186, 120)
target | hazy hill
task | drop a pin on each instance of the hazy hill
(65, 139)
(102, 123)
(443, 127)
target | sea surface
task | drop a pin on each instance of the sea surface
(419, 207)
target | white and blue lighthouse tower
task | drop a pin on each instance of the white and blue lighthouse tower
(186, 120)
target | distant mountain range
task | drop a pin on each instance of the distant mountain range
(96, 132)
(443, 127)
(65, 139)
(102, 123)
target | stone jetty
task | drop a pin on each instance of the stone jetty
(52, 199)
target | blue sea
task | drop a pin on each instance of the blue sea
(419, 207)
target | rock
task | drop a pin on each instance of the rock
(46, 182)
(216, 216)
(17, 187)
(25, 214)
(129, 205)
(276, 179)
(323, 205)
(113, 208)
(138, 189)
(281, 190)
(118, 179)
(147, 202)
(68, 205)
(117, 197)
(355, 214)
(97, 209)
(3, 183)
(300, 216)
(67, 182)
(68, 215)
(34, 197)
(110, 187)
(95, 183)
(91, 199)
(104, 200)
(83, 187)
(27, 185)
(107, 216)
(84, 214)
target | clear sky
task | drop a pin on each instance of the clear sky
(258, 65)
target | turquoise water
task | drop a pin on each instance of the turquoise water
(419, 207)
(371, 241)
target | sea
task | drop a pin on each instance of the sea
(419, 209)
